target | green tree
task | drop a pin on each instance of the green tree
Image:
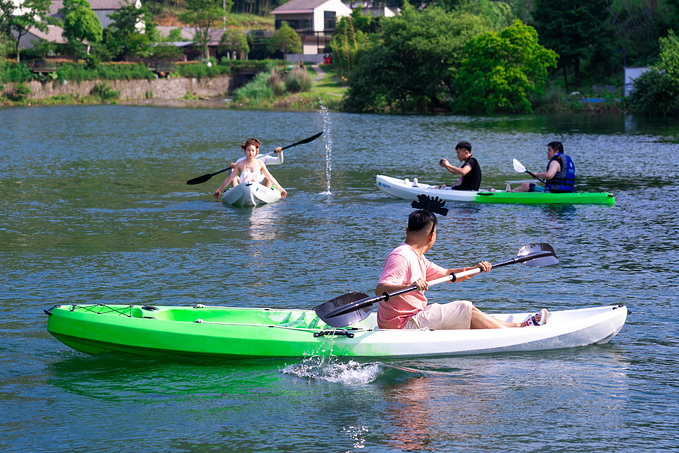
(17, 21)
(350, 36)
(638, 25)
(81, 24)
(131, 32)
(656, 92)
(202, 15)
(502, 71)
(286, 40)
(413, 63)
(574, 30)
(234, 42)
(498, 13)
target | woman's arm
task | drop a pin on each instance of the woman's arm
(234, 172)
(273, 180)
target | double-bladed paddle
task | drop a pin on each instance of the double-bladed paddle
(521, 169)
(354, 306)
(207, 177)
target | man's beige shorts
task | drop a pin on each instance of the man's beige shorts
(455, 315)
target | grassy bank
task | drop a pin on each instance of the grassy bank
(326, 89)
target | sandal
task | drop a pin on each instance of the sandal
(533, 321)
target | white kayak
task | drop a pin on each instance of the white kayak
(250, 194)
(409, 190)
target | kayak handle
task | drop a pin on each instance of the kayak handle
(334, 332)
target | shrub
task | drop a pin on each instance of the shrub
(255, 91)
(277, 85)
(655, 94)
(298, 80)
(21, 92)
(17, 73)
(106, 71)
(201, 70)
(104, 92)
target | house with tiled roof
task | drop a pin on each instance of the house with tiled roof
(102, 8)
(313, 20)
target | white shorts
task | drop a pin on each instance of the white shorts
(455, 315)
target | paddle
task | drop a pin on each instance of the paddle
(207, 177)
(521, 169)
(354, 306)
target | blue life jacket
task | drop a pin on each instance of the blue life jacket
(564, 180)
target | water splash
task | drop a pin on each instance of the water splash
(332, 370)
(327, 127)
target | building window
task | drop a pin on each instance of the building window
(328, 20)
(293, 23)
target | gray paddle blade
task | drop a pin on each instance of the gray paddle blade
(544, 255)
(325, 310)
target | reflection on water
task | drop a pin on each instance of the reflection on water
(262, 223)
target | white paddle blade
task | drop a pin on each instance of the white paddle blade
(518, 167)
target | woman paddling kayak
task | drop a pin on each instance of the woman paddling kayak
(249, 170)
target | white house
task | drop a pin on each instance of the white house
(313, 20)
(630, 75)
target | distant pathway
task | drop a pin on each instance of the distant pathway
(319, 72)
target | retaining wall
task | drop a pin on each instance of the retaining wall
(160, 88)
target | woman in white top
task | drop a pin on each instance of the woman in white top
(250, 169)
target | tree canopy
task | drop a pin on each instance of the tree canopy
(656, 92)
(17, 21)
(81, 24)
(131, 33)
(413, 62)
(575, 30)
(285, 40)
(234, 42)
(501, 71)
(202, 15)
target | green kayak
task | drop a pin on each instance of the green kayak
(201, 331)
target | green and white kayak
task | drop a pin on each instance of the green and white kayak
(263, 332)
(403, 188)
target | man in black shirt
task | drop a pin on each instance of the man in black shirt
(470, 170)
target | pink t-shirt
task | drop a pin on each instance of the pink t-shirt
(404, 266)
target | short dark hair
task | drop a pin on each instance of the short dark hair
(464, 145)
(420, 219)
(556, 146)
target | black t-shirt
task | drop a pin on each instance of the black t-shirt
(472, 180)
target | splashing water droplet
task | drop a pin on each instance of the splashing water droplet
(327, 127)
(333, 370)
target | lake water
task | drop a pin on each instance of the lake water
(94, 208)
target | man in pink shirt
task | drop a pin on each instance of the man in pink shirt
(406, 266)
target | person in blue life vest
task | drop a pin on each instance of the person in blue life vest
(559, 176)
(469, 171)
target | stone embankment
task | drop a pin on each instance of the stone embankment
(160, 88)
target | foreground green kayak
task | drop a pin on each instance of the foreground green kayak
(405, 189)
(262, 332)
